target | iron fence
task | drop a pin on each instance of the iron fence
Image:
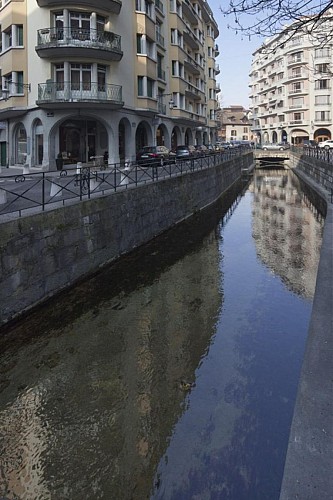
(23, 194)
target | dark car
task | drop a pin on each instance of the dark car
(152, 154)
(310, 144)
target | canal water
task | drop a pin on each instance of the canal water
(173, 373)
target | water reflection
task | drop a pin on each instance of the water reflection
(287, 235)
(169, 375)
(93, 383)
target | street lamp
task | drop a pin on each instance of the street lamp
(160, 99)
(5, 90)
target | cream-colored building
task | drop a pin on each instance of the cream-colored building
(83, 77)
(234, 124)
(291, 87)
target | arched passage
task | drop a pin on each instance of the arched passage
(175, 137)
(80, 140)
(274, 136)
(143, 135)
(162, 136)
(188, 137)
(298, 136)
(322, 134)
(124, 136)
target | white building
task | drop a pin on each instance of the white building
(291, 87)
(84, 77)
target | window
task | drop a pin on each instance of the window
(322, 116)
(19, 34)
(322, 99)
(296, 87)
(233, 133)
(101, 78)
(296, 72)
(322, 52)
(245, 130)
(144, 6)
(322, 84)
(297, 57)
(80, 76)
(150, 87)
(297, 102)
(298, 117)
(139, 44)
(140, 86)
(322, 68)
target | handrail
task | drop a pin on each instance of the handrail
(35, 192)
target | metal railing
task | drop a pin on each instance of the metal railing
(30, 193)
(79, 91)
(83, 37)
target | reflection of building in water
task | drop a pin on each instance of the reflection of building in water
(111, 382)
(287, 235)
(22, 445)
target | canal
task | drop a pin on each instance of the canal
(173, 373)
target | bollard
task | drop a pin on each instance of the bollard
(124, 174)
(3, 197)
(78, 167)
(56, 190)
(25, 169)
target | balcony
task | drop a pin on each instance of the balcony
(112, 6)
(189, 12)
(217, 69)
(191, 65)
(190, 39)
(160, 39)
(159, 6)
(193, 93)
(69, 42)
(57, 95)
(217, 51)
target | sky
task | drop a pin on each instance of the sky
(234, 60)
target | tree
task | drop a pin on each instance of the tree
(266, 18)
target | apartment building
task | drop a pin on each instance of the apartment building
(234, 124)
(291, 86)
(81, 78)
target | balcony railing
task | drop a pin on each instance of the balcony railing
(91, 38)
(54, 92)
(159, 5)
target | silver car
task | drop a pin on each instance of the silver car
(280, 146)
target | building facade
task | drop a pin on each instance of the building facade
(291, 86)
(81, 78)
(234, 124)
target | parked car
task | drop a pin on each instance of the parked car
(326, 144)
(276, 146)
(310, 144)
(184, 151)
(152, 154)
(201, 150)
(222, 145)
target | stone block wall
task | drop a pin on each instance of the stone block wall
(47, 252)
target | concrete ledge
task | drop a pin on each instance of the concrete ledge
(308, 473)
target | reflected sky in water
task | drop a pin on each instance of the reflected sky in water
(173, 374)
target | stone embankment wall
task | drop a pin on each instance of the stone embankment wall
(45, 253)
(320, 171)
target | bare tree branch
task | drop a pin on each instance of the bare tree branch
(266, 18)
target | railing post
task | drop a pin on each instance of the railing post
(43, 191)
